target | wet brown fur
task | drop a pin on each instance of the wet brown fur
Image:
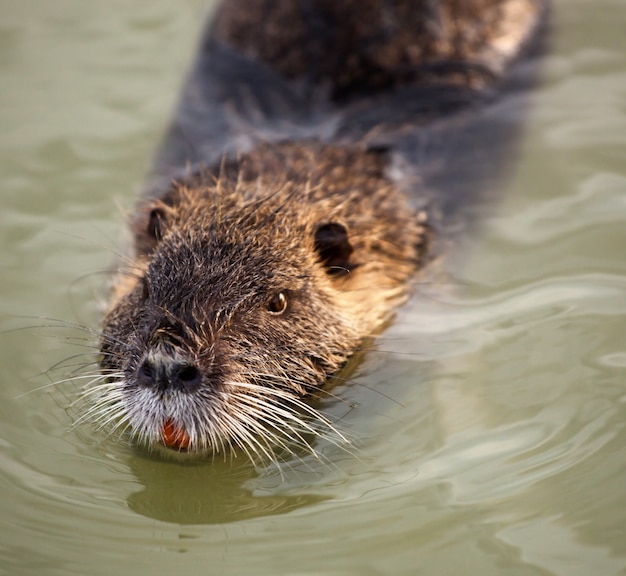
(226, 244)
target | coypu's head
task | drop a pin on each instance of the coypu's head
(249, 291)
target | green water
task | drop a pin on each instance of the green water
(489, 424)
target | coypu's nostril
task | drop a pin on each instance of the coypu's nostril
(145, 374)
(189, 375)
(164, 372)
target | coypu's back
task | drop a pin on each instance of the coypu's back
(356, 47)
(391, 75)
(293, 201)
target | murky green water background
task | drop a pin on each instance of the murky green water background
(490, 422)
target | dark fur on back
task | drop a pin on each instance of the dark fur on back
(360, 46)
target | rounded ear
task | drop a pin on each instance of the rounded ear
(156, 223)
(150, 225)
(333, 248)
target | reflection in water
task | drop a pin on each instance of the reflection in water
(205, 493)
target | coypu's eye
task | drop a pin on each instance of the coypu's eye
(278, 304)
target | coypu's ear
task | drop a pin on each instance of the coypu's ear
(150, 226)
(152, 223)
(156, 223)
(333, 247)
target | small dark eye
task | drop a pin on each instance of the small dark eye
(278, 304)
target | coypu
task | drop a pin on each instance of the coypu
(280, 228)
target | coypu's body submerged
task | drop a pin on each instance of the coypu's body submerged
(288, 210)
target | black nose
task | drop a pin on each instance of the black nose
(164, 372)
